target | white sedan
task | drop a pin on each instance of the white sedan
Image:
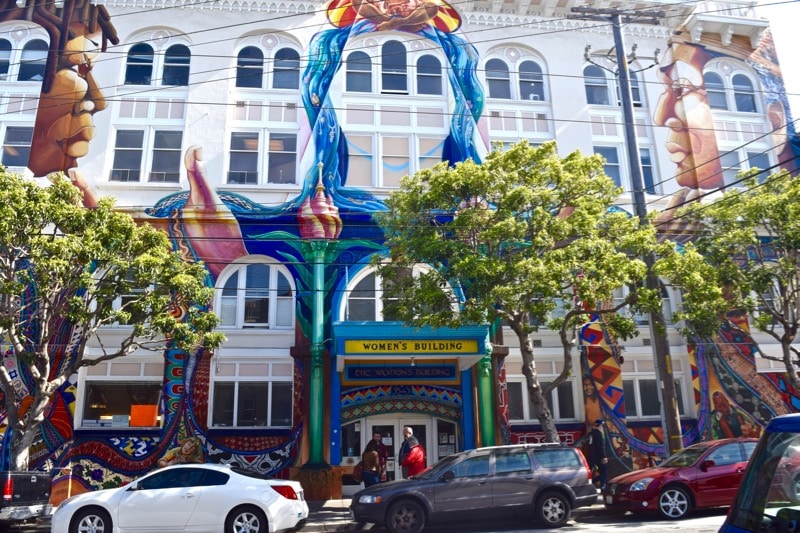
(202, 497)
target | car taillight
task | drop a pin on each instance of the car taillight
(286, 491)
(8, 489)
(586, 466)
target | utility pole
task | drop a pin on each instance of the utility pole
(673, 440)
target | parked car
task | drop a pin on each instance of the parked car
(26, 496)
(541, 481)
(768, 497)
(189, 497)
(703, 475)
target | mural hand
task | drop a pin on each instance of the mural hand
(210, 228)
(669, 225)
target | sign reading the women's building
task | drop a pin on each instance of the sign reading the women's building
(411, 347)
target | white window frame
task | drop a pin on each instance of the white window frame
(275, 269)
(159, 62)
(230, 369)
(528, 417)
(264, 153)
(641, 368)
(727, 69)
(6, 146)
(133, 369)
(149, 135)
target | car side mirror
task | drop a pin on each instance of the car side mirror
(706, 464)
(448, 476)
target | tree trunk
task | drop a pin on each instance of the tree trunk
(541, 410)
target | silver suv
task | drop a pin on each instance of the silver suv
(530, 481)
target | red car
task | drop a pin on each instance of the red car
(706, 474)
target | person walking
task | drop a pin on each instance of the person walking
(598, 462)
(373, 460)
(412, 454)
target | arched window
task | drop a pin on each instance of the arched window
(286, 74)
(359, 73)
(531, 81)
(250, 68)
(5, 58)
(715, 90)
(256, 295)
(498, 79)
(743, 94)
(34, 57)
(394, 68)
(139, 70)
(594, 79)
(176, 65)
(429, 75)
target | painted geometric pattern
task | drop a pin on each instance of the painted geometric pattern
(421, 399)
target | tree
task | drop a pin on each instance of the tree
(63, 271)
(515, 236)
(744, 257)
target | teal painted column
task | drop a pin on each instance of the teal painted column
(486, 402)
(316, 401)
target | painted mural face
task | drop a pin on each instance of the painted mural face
(403, 15)
(684, 109)
(64, 125)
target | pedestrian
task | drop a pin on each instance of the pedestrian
(598, 462)
(373, 460)
(412, 454)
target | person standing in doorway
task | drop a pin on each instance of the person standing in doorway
(598, 461)
(412, 454)
(373, 460)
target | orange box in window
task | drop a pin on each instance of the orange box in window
(144, 416)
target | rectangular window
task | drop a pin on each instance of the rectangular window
(282, 158)
(360, 171)
(731, 166)
(17, 146)
(561, 401)
(643, 399)
(759, 160)
(647, 171)
(395, 160)
(166, 157)
(121, 404)
(252, 394)
(243, 167)
(430, 152)
(127, 155)
(611, 166)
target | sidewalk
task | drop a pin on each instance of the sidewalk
(329, 515)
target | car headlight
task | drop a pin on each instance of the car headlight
(641, 484)
(369, 498)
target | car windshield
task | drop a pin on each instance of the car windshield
(441, 467)
(686, 457)
(769, 495)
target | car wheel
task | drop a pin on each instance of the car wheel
(405, 516)
(246, 519)
(552, 509)
(674, 503)
(91, 520)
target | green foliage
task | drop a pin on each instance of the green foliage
(62, 264)
(515, 236)
(744, 257)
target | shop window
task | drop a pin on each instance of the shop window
(642, 397)
(394, 68)
(176, 65)
(358, 73)
(498, 79)
(250, 68)
(256, 296)
(561, 400)
(252, 394)
(121, 393)
(139, 68)
(286, 73)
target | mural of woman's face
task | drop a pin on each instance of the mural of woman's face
(684, 109)
(64, 124)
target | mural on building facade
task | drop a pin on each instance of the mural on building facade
(220, 228)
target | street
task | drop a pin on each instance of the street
(595, 519)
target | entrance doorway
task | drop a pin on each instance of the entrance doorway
(439, 438)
